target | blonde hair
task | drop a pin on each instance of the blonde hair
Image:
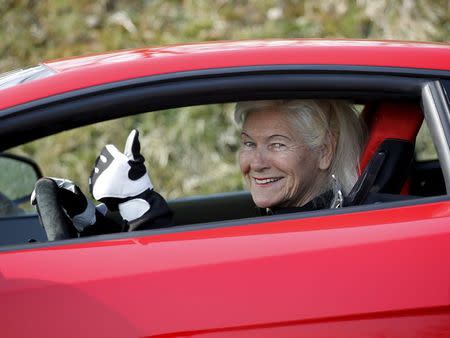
(316, 120)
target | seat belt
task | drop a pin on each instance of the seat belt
(365, 183)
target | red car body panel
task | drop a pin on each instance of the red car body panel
(78, 73)
(366, 274)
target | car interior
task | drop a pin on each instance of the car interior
(389, 169)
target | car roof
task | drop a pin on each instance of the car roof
(82, 72)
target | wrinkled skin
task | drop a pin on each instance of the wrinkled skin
(278, 167)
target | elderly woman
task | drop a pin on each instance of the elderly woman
(299, 154)
(295, 155)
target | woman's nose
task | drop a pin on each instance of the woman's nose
(259, 160)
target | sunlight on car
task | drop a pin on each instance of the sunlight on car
(18, 76)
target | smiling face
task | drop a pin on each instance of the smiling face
(278, 167)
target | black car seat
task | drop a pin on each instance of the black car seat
(387, 158)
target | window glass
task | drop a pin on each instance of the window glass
(16, 184)
(188, 151)
(425, 149)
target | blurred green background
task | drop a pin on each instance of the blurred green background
(33, 31)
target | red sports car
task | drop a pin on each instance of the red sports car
(366, 270)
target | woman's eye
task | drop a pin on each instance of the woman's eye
(278, 146)
(248, 144)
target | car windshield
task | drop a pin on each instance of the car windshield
(18, 76)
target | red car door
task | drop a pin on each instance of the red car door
(364, 274)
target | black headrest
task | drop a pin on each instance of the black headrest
(386, 172)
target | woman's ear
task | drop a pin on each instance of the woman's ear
(327, 152)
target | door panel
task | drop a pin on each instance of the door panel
(427, 179)
(365, 274)
(21, 229)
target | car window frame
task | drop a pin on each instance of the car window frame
(109, 101)
(437, 113)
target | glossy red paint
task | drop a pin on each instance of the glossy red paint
(373, 273)
(83, 72)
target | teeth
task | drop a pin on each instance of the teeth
(266, 180)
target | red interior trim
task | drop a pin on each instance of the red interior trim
(390, 120)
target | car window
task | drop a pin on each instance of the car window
(189, 151)
(425, 149)
(16, 183)
(191, 155)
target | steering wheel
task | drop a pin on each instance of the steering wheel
(56, 223)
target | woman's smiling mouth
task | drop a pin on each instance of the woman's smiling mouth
(264, 181)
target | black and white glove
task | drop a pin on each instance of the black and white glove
(80, 210)
(120, 180)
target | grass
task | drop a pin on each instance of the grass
(38, 30)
